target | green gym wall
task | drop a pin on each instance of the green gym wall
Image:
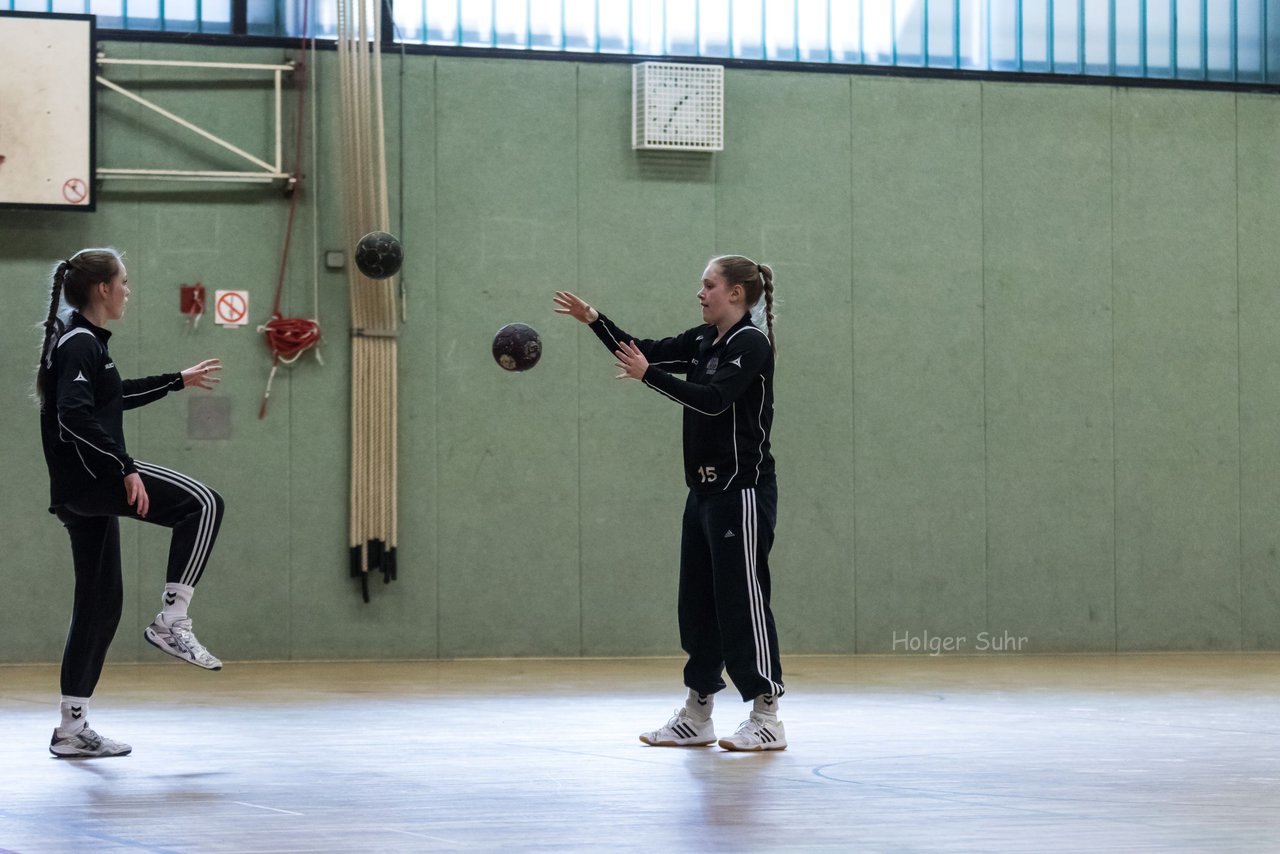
(1028, 381)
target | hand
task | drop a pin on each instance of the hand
(203, 375)
(631, 361)
(575, 307)
(136, 494)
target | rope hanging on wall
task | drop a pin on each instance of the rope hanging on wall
(290, 337)
(374, 315)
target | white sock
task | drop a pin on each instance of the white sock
(75, 714)
(765, 706)
(699, 705)
(176, 600)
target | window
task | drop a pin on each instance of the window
(1213, 40)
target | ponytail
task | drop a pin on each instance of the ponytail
(52, 328)
(766, 279)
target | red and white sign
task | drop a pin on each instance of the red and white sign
(231, 308)
(73, 190)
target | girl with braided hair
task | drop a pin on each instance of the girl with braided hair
(93, 482)
(726, 391)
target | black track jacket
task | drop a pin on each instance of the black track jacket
(727, 395)
(81, 419)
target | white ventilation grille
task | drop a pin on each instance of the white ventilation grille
(677, 107)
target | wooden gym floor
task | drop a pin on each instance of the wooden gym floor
(888, 753)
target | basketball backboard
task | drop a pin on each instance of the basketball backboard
(47, 111)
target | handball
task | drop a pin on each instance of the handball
(517, 347)
(379, 255)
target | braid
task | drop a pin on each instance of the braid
(52, 327)
(766, 279)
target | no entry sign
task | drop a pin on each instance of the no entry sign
(231, 308)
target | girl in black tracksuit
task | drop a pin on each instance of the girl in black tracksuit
(726, 623)
(93, 481)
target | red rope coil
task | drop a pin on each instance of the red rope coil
(290, 337)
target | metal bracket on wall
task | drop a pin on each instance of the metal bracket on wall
(266, 172)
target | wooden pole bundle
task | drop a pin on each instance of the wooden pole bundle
(374, 314)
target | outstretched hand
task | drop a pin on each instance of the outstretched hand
(631, 361)
(575, 307)
(203, 375)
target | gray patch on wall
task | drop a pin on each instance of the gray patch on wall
(208, 417)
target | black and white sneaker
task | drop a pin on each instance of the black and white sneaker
(179, 641)
(85, 744)
(757, 733)
(683, 730)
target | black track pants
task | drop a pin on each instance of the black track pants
(191, 509)
(725, 619)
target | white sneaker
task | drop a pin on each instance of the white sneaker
(757, 733)
(683, 730)
(86, 744)
(179, 641)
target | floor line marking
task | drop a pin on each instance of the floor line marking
(261, 807)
